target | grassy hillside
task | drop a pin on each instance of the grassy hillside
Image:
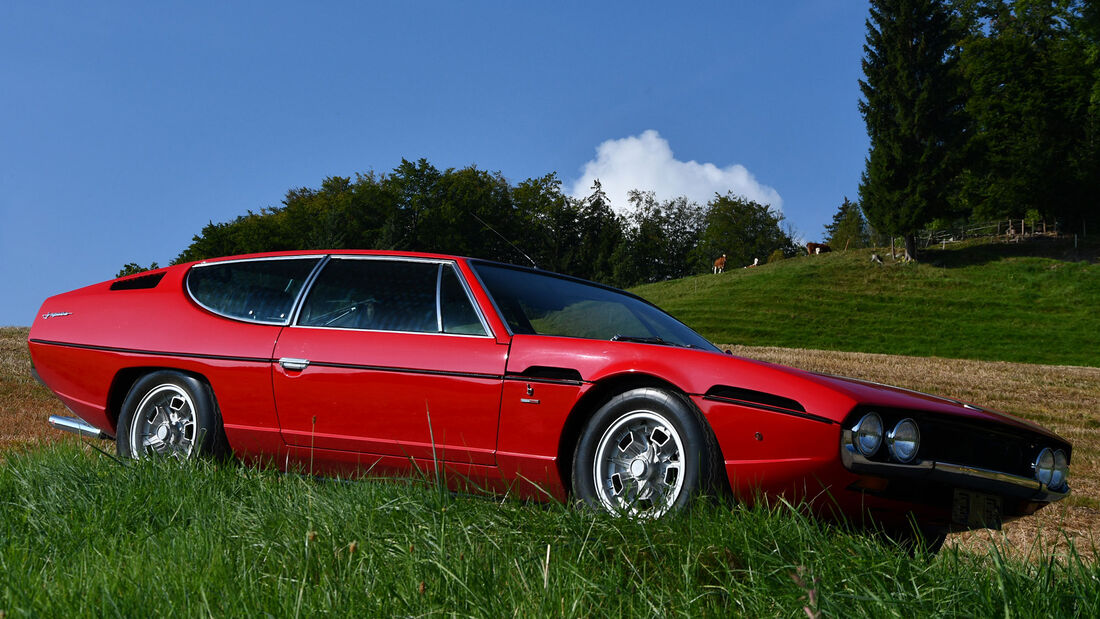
(979, 301)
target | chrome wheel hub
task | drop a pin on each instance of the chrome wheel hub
(638, 469)
(164, 424)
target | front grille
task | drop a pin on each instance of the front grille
(982, 445)
(967, 442)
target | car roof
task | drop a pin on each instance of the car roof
(408, 254)
(326, 252)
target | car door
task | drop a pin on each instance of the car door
(390, 356)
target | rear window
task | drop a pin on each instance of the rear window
(260, 291)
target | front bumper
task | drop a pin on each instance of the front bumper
(957, 476)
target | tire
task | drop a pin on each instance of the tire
(922, 540)
(169, 414)
(933, 540)
(644, 453)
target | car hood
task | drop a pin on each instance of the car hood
(706, 373)
(889, 396)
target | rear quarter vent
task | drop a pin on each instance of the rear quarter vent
(141, 282)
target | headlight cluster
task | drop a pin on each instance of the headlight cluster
(1051, 467)
(903, 441)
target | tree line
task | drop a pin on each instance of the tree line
(473, 212)
(975, 110)
(980, 110)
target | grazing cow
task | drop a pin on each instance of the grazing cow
(817, 248)
(720, 264)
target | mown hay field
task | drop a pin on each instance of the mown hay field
(1063, 398)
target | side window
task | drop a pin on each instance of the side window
(254, 290)
(459, 316)
(381, 295)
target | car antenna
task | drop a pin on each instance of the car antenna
(505, 240)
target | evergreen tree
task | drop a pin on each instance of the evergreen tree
(1027, 68)
(912, 107)
(601, 231)
(849, 228)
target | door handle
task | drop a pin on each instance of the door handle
(295, 365)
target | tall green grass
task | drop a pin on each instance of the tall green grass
(979, 301)
(83, 535)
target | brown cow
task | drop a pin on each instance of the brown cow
(720, 264)
(817, 248)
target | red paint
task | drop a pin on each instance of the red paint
(394, 394)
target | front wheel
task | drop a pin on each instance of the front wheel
(642, 454)
(919, 539)
(170, 414)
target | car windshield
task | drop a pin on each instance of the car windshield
(547, 304)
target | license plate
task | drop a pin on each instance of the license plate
(976, 510)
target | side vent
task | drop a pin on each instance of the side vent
(749, 396)
(141, 282)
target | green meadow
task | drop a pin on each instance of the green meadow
(83, 535)
(997, 302)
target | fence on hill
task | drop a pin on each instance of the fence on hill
(1010, 230)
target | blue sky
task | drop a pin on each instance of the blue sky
(126, 127)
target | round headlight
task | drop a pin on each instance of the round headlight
(867, 434)
(1044, 466)
(1061, 469)
(904, 440)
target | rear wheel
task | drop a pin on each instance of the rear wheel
(642, 454)
(169, 414)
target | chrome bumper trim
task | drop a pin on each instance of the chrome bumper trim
(1024, 483)
(956, 475)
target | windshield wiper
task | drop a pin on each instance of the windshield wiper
(646, 340)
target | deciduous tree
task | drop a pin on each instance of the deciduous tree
(659, 240)
(743, 230)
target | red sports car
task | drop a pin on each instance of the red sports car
(511, 378)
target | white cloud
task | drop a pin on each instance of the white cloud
(646, 163)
